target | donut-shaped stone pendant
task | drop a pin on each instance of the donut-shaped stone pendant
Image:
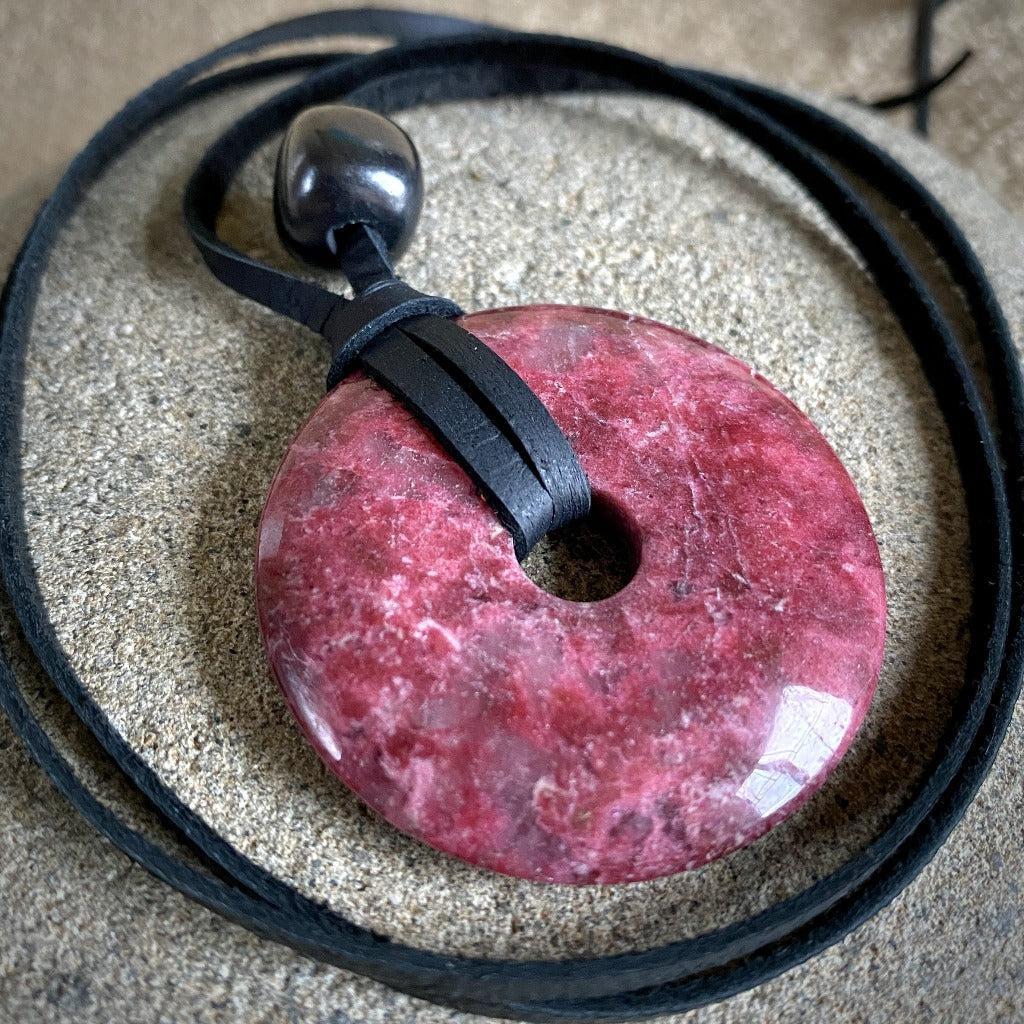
(622, 739)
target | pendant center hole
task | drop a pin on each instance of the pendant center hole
(588, 560)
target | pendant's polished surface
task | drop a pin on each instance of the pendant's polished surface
(632, 737)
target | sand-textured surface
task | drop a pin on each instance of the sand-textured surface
(177, 400)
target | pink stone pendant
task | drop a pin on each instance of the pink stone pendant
(561, 741)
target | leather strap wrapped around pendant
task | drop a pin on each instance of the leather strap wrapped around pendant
(689, 972)
(485, 451)
(474, 403)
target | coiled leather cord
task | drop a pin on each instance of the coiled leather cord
(466, 64)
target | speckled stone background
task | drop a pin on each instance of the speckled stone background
(149, 530)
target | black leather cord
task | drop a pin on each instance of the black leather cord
(924, 32)
(925, 83)
(920, 94)
(689, 972)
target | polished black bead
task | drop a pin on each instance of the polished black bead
(340, 166)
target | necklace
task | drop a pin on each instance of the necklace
(676, 976)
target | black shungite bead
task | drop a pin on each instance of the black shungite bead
(340, 166)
